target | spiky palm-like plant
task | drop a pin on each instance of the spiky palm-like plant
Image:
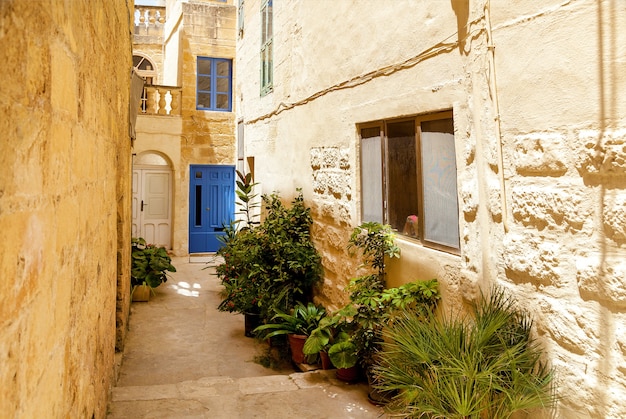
(484, 366)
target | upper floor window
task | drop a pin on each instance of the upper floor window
(214, 84)
(240, 19)
(409, 180)
(145, 68)
(267, 37)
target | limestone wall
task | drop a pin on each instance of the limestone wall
(539, 137)
(64, 204)
(563, 143)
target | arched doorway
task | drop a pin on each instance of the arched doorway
(152, 199)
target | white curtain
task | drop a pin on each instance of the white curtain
(441, 210)
(371, 179)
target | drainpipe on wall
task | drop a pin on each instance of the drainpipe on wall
(494, 95)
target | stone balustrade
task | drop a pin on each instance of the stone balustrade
(160, 100)
(149, 20)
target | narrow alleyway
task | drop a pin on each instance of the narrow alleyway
(185, 359)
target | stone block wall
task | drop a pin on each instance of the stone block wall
(64, 204)
(332, 179)
(564, 153)
(564, 257)
(535, 90)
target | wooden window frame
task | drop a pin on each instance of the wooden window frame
(382, 125)
(267, 46)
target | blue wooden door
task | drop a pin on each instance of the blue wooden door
(211, 205)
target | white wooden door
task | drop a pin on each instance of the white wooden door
(152, 218)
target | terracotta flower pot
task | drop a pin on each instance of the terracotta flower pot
(325, 360)
(296, 343)
(348, 375)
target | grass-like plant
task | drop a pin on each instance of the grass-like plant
(483, 366)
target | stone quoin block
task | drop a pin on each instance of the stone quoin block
(551, 208)
(540, 154)
(532, 259)
(614, 217)
(601, 153)
(560, 321)
(601, 277)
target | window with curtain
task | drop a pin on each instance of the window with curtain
(409, 179)
(240, 19)
(267, 37)
(214, 84)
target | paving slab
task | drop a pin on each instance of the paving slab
(185, 359)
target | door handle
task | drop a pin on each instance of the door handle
(142, 205)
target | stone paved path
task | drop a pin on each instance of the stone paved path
(185, 359)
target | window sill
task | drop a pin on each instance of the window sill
(428, 245)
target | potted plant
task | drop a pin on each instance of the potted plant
(372, 305)
(297, 325)
(331, 331)
(149, 267)
(270, 266)
(374, 242)
(240, 252)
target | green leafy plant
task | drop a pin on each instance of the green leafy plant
(483, 366)
(371, 304)
(247, 198)
(302, 320)
(149, 264)
(267, 268)
(332, 336)
(354, 333)
(375, 241)
(241, 293)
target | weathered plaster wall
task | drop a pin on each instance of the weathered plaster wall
(539, 131)
(64, 204)
(313, 145)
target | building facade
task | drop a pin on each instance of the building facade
(65, 197)
(489, 134)
(184, 154)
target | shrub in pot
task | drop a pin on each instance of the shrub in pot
(270, 266)
(372, 305)
(331, 331)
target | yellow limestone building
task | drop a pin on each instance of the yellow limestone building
(184, 155)
(490, 134)
(65, 196)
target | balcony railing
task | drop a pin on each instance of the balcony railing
(149, 20)
(160, 100)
